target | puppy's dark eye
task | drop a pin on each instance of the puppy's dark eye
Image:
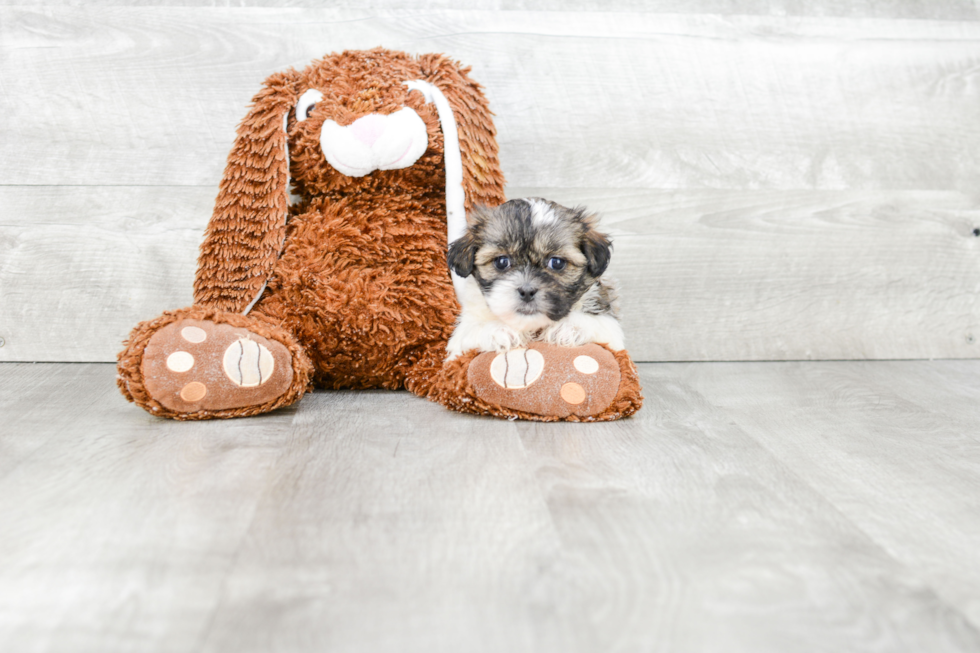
(309, 110)
(556, 263)
(501, 263)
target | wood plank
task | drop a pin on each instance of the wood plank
(753, 275)
(873, 453)
(151, 95)
(747, 507)
(680, 532)
(81, 266)
(951, 385)
(391, 525)
(28, 418)
(705, 275)
(907, 9)
(118, 531)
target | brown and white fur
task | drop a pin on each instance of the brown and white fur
(533, 270)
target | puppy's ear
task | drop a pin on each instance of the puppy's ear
(462, 255)
(597, 249)
(245, 235)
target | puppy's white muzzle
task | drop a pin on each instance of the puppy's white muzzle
(374, 142)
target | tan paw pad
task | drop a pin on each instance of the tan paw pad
(193, 391)
(586, 364)
(180, 361)
(573, 393)
(517, 368)
(194, 334)
(248, 363)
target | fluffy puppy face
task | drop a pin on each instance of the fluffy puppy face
(533, 259)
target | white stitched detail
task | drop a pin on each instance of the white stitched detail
(455, 197)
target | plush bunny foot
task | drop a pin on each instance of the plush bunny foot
(198, 364)
(548, 381)
(193, 365)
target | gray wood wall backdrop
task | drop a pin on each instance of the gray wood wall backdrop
(785, 179)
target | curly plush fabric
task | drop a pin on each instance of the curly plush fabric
(352, 279)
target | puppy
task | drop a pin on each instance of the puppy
(533, 271)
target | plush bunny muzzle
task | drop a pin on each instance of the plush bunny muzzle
(374, 142)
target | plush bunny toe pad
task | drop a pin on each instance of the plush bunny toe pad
(548, 380)
(192, 365)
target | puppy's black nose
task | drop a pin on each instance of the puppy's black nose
(527, 293)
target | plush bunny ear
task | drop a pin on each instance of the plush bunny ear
(473, 175)
(245, 235)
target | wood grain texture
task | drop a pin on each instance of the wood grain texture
(785, 180)
(26, 393)
(705, 275)
(119, 528)
(426, 522)
(866, 437)
(747, 507)
(753, 275)
(906, 9)
(680, 532)
(151, 95)
(80, 266)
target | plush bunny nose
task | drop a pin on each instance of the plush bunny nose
(374, 142)
(368, 129)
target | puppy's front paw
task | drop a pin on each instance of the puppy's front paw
(567, 334)
(495, 336)
(503, 338)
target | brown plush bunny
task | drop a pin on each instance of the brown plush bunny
(348, 287)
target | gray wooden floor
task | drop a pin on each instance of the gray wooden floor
(818, 506)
